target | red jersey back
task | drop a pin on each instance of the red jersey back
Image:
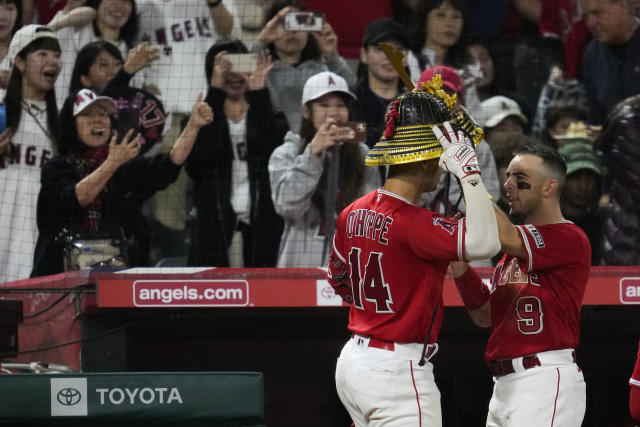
(391, 257)
(535, 302)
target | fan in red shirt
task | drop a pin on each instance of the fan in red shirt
(390, 256)
(562, 20)
(533, 301)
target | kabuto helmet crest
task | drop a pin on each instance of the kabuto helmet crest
(409, 137)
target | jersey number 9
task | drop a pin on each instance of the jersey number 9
(529, 315)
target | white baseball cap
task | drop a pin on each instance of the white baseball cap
(86, 97)
(25, 35)
(323, 83)
(496, 109)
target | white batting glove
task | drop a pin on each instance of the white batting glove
(459, 157)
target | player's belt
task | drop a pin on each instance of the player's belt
(390, 345)
(502, 367)
(376, 343)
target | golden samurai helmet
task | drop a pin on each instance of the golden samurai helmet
(408, 136)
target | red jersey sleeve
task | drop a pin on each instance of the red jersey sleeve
(548, 246)
(635, 377)
(337, 272)
(634, 395)
(435, 237)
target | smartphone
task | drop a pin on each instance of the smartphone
(243, 62)
(3, 117)
(304, 21)
(356, 131)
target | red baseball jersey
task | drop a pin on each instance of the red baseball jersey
(535, 301)
(635, 377)
(389, 259)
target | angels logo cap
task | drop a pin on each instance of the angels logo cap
(323, 83)
(86, 97)
(496, 109)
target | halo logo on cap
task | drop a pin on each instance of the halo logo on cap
(81, 99)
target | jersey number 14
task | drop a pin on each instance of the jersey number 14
(372, 285)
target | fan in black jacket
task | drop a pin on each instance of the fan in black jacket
(97, 186)
(239, 100)
(619, 144)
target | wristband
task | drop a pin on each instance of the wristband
(472, 290)
(214, 3)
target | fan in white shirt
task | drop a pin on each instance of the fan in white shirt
(26, 144)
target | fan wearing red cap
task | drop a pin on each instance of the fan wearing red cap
(450, 80)
(438, 200)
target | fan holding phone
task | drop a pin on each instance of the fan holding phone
(236, 224)
(301, 44)
(316, 173)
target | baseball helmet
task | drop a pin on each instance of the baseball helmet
(409, 136)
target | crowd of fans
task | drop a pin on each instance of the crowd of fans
(105, 100)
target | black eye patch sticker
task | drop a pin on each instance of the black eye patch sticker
(524, 186)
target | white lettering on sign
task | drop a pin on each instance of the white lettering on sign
(630, 290)
(146, 395)
(184, 293)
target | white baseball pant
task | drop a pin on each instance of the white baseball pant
(553, 394)
(382, 387)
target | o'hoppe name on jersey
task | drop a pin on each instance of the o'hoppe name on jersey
(369, 224)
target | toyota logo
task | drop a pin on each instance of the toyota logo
(68, 396)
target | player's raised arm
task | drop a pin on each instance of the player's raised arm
(460, 159)
(510, 240)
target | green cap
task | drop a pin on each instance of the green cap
(580, 155)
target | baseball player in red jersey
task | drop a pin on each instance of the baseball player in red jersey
(389, 259)
(533, 300)
(634, 394)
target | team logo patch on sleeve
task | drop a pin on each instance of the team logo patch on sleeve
(449, 227)
(537, 237)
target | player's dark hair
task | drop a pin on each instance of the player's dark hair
(228, 45)
(129, 30)
(18, 5)
(506, 145)
(13, 96)
(351, 162)
(311, 50)
(88, 56)
(551, 160)
(404, 169)
(418, 29)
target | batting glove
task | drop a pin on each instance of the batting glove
(459, 157)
